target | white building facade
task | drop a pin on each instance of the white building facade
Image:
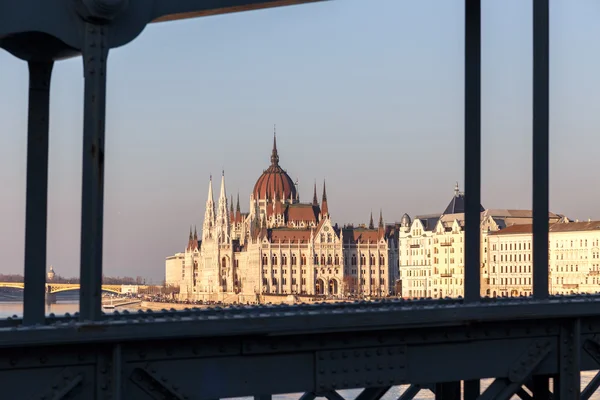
(283, 247)
(431, 248)
(574, 258)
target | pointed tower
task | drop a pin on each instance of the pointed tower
(315, 200)
(274, 154)
(324, 207)
(381, 219)
(222, 220)
(238, 212)
(371, 225)
(208, 227)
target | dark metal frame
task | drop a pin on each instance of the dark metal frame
(260, 351)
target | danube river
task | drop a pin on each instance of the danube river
(70, 305)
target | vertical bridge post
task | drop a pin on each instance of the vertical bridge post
(36, 214)
(472, 164)
(472, 150)
(95, 53)
(541, 16)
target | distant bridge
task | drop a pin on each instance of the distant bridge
(52, 288)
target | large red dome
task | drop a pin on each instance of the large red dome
(274, 182)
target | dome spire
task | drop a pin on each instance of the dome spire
(274, 155)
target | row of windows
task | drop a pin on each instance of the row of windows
(325, 260)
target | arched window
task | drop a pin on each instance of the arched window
(363, 260)
(303, 259)
(322, 259)
(336, 260)
(264, 259)
(284, 260)
(329, 261)
(381, 260)
(353, 259)
(223, 263)
(372, 260)
(293, 259)
(274, 259)
(316, 259)
(329, 238)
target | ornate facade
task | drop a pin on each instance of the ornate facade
(574, 258)
(283, 246)
(431, 248)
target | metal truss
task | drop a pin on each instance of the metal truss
(318, 350)
(260, 351)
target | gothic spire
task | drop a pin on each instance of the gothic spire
(380, 218)
(315, 200)
(210, 191)
(371, 225)
(195, 233)
(190, 233)
(324, 207)
(209, 214)
(274, 155)
(223, 194)
(231, 205)
(237, 207)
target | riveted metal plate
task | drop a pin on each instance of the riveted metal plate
(529, 360)
(361, 367)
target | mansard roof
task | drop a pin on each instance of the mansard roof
(429, 222)
(457, 203)
(361, 235)
(302, 212)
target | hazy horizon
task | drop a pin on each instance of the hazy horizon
(367, 95)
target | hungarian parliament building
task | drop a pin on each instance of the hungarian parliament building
(285, 247)
(282, 246)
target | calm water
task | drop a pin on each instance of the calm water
(70, 305)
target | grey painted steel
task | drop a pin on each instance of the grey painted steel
(472, 149)
(34, 308)
(541, 77)
(569, 379)
(95, 56)
(218, 364)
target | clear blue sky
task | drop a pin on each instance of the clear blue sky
(367, 94)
